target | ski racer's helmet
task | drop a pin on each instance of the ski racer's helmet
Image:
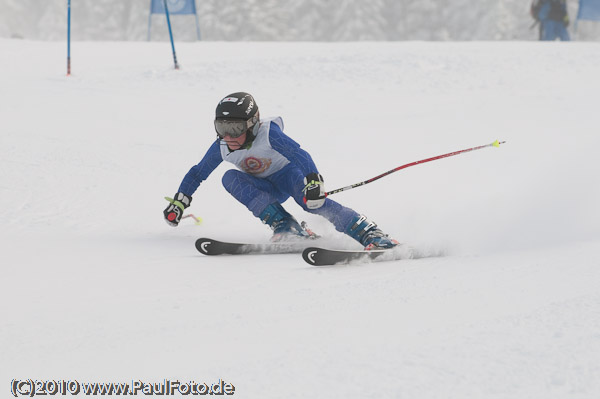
(236, 114)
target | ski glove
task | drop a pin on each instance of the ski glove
(314, 191)
(174, 211)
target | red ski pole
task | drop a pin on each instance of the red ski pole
(451, 154)
(196, 219)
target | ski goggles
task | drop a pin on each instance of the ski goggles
(232, 127)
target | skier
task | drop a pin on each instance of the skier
(553, 18)
(272, 168)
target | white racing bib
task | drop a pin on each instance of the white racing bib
(260, 160)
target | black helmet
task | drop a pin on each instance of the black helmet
(236, 114)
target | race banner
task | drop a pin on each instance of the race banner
(176, 7)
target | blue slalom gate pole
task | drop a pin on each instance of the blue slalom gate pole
(68, 37)
(170, 33)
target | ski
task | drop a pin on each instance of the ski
(208, 246)
(314, 256)
(328, 257)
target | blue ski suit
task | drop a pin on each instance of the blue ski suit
(271, 169)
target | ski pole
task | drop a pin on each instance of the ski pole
(196, 219)
(451, 154)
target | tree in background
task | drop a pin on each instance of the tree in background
(358, 20)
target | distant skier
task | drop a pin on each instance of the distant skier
(553, 18)
(272, 168)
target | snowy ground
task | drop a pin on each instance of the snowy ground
(96, 287)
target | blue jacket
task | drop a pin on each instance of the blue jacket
(276, 150)
(553, 10)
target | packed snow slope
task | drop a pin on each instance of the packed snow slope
(97, 287)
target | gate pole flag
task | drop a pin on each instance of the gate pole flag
(175, 7)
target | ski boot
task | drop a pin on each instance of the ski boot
(369, 235)
(284, 225)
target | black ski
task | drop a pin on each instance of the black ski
(208, 246)
(327, 257)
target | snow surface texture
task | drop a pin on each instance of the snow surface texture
(96, 286)
(292, 20)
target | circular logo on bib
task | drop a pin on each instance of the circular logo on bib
(255, 165)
